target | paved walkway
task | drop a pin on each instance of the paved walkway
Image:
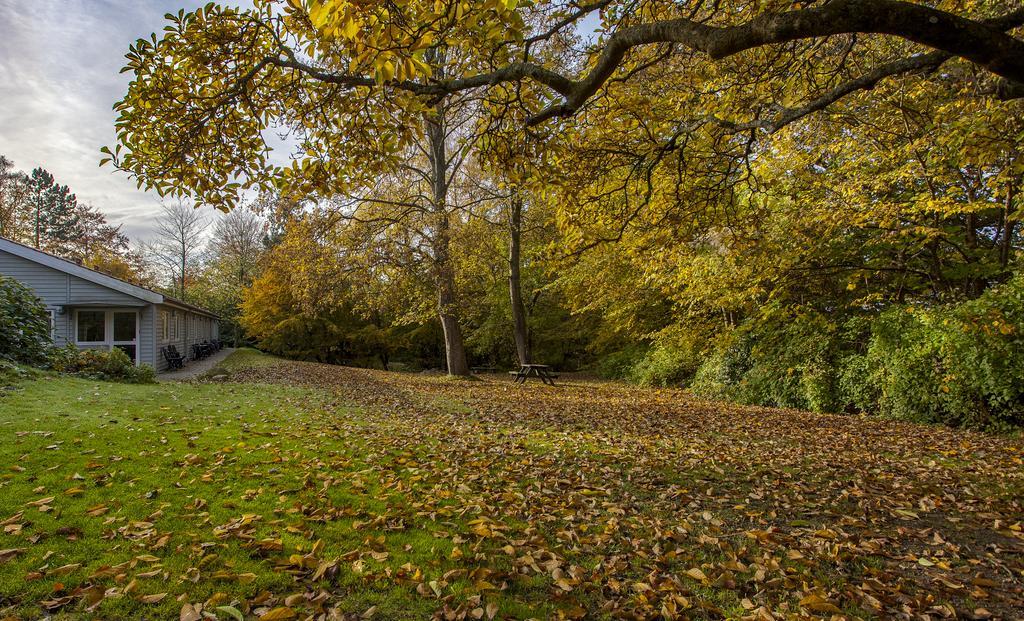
(195, 368)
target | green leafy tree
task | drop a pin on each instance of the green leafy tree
(14, 221)
(24, 324)
(359, 84)
(307, 304)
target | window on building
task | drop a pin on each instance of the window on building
(124, 326)
(92, 326)
(165, 326)
(107, 329)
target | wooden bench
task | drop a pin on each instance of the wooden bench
(539, 370)
(550, 374)
(173, 358)
(198, 351)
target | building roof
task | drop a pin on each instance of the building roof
(104, 280)
(192, 307)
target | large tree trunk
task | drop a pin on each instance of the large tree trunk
(520, 330)
(455, 350)
(447, 309)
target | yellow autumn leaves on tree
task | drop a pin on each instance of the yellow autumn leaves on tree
(389, 39)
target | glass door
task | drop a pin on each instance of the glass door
(126, 333)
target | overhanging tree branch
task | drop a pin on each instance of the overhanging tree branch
(982, 42)
(784, 116)
(922, 62)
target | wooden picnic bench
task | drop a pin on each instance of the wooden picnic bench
(539, 370)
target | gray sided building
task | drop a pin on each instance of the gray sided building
(97, 311)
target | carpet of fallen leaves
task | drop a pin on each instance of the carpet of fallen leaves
(639, 504)
(370, 495)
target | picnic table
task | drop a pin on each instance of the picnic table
(540, 370)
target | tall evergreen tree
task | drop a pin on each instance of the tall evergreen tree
(54, 210)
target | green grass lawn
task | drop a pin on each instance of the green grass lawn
(244, 358)
(207, 493)
(295, 490)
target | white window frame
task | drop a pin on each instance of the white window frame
(106, 327)
(53, 324)
(108, 341)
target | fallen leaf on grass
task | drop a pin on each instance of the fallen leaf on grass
(65, 569)
(54, 604)
(97, 511)
(189, 613)
(279, 614)
(6, 555)
(232, 612)
(816, 603)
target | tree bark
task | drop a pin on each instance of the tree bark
(1008, 228)
(444, 275)
(455, 349)
(520, 330)
(973, 284)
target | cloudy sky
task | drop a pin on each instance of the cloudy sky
(59, 63)
(59, 78)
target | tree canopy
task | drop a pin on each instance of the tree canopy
(697, 192)
(346, 80)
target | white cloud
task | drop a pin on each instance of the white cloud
(59, 78)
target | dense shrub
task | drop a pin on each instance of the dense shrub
(784, 358)
(858, 390)
(956, 364)
(671, 361)
(803, 347)
(721, 374)
(24, 324)
(619, 363)
(112, 365)
(960, 365)
(662, 366)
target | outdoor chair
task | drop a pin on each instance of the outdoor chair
(173, 358)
